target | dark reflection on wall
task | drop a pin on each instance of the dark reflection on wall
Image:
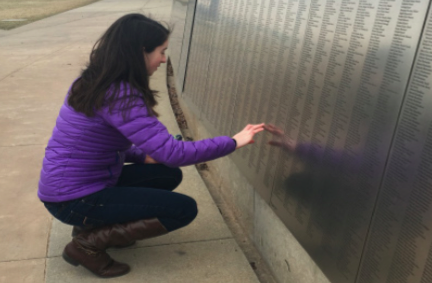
(318, 196)
(344, 93)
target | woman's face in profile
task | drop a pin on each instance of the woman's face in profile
(155, 58)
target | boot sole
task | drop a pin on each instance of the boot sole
(76, 263)
(69, 260)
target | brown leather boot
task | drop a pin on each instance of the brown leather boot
(78, 230)
(95, 260)
(88, 248)
(120, 234)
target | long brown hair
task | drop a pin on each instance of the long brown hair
(117, 59)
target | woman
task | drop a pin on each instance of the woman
(108, 118)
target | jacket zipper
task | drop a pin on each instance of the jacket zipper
(117, 160)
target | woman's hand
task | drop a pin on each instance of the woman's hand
(246, 135)
(149, 160)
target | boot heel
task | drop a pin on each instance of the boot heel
(69, 260)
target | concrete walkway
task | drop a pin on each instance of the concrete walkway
(37, 64)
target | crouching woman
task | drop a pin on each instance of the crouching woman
(107, 120)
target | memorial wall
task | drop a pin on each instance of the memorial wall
(344, 87)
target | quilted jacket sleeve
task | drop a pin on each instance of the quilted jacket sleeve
(150, 136)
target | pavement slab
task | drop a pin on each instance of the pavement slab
(23, 271)
(24, 222)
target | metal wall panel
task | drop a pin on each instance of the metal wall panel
(327, 189)
(330, 77)
(178, 20)
(400, 238)
(182, 16)
(252, 99)
(196, 62)
(222, 58)
(214, 69)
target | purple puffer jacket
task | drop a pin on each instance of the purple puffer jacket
(86, 155)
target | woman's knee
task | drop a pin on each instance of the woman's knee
(190, 210)
(193, 208)
(177, 177)
(185, 212)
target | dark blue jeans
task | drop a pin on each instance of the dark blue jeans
(143, 191)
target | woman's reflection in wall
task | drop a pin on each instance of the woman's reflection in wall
(319, 182)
